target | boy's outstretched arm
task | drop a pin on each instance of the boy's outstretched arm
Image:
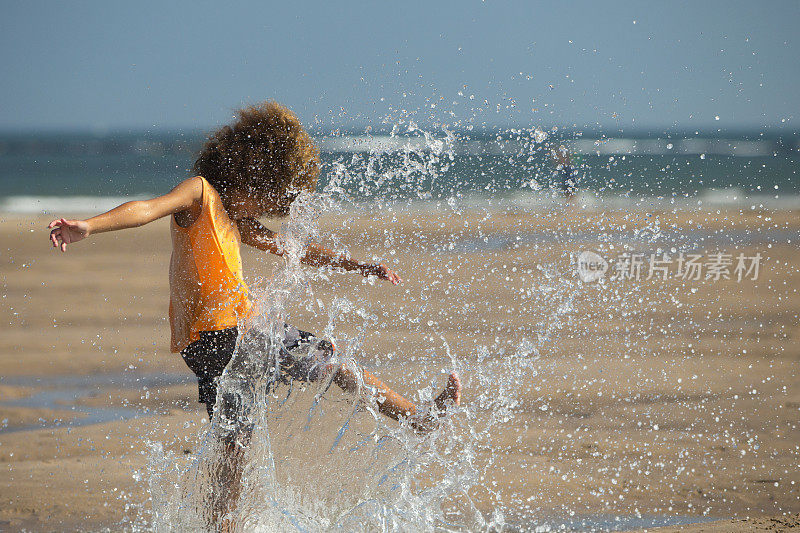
(259, 236)
(185, 198)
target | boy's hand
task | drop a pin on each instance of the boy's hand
(383, 272)
(65, 232)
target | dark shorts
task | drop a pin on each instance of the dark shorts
(302, 356)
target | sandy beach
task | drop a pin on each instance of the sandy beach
(648, 398)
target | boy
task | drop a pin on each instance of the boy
(253, 168)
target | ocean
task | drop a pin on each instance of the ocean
(42, 173)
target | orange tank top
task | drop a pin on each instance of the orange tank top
(207, 290)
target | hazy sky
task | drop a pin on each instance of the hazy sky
(163, 65)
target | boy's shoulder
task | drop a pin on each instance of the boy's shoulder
(191, 191)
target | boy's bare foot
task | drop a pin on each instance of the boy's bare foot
(451, 392)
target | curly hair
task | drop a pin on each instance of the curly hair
(266, 153)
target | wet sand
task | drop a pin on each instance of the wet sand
(652, 398)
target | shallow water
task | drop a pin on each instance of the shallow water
(65, 393)
(609, 523)
(695, 239)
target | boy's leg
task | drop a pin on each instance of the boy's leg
(389, 402)
(207, 358)
(226, 493)
(234, 439)
(307, 358)
(392, 404)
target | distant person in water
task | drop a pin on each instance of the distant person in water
(567, 175)
(252, 168)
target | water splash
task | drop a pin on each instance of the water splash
(318, 459)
